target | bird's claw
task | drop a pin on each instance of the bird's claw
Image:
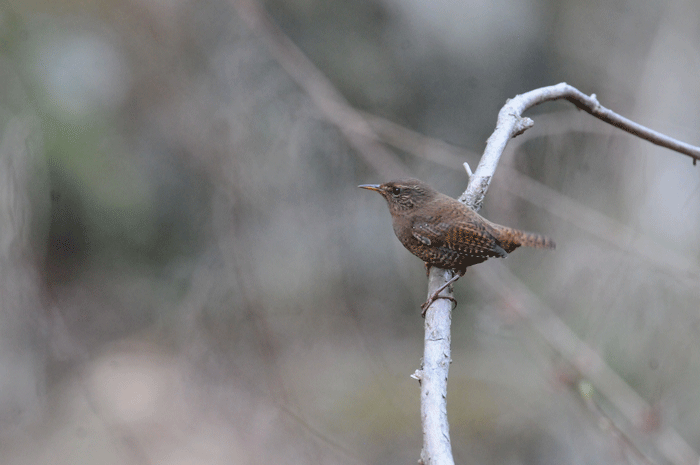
(432, 299)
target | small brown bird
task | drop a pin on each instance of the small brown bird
(444, 232)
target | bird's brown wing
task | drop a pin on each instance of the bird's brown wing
(465, 238)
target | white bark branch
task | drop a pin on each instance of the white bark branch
(433, 376)
(510, 124)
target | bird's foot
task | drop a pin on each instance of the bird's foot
(436, 295)
(432, 299)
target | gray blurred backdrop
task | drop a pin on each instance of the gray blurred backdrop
(189, 275)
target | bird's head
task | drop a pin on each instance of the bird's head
(403, 194)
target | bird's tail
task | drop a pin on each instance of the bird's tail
(511, 239)
(538, 241)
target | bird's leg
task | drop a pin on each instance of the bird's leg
(427, 268)
(435, 295)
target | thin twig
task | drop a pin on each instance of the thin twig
(511, 123)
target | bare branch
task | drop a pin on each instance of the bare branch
(433, 376)
(511, 124)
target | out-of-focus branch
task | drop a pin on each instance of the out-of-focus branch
(511, 123)
(325, 96)
(664, 445)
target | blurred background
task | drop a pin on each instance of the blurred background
(189, 274)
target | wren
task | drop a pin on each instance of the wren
(445, 233)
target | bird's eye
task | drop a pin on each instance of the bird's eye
(395, 191)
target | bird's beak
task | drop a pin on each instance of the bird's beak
(372, 187)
